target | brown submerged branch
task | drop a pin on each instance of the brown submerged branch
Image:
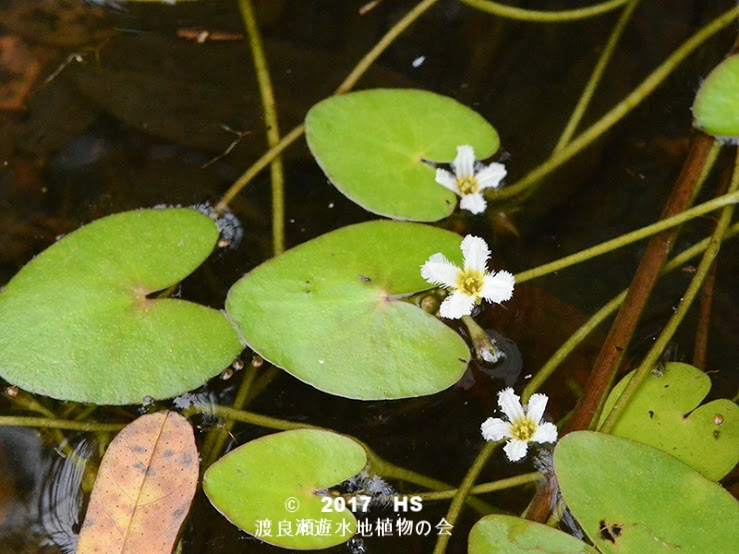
(610, 356)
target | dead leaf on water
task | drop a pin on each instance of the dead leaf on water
(144, 488)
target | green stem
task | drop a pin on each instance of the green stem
(271, 124)
(485, 347)
(685, 303)
(601, 315)
(21, 421)
(463, 492)
(595, 77)
(395, 31)
(617, 113)
(217, 436)
(628, 238)
(348, 83)
(538, 16)
(484, 488)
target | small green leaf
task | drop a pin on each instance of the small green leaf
(663, 414)
(371, 144)
(329, 311)
(629, 497)
(275, 480)
(497, 534)
(716, 106)
(78, 325)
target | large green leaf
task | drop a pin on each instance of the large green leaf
(498, 534)
(629, 497)
(662, 413)
(328, 312)
(371, 144)
(716, 106)
(272, 483)
(77, 323)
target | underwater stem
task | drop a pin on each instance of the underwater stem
(633, 99)
(540, 16)
(685, 303)
(271, 124)
(463, 492)
(628, 238)
(600, 67)
(603, 313)
(345, 86)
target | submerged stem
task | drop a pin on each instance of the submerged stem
(540, 16)
(345, 86)
(628, 238)
(685, 303)
(618, 112)
(600, 67)
(271, 124)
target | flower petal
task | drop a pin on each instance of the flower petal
(536, 406)
(440, 271)
(473, 202)
(495, 429)
(476, 253)
(498, 287)
(546, 432)
(448, 180)
(456, 305)
(464, 163)
(510, 403)
(491, 176)
(515, 450)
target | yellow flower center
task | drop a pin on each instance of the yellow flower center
(470, 282)
(468, 185)
(523, 429)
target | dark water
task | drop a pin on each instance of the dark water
(135, 122)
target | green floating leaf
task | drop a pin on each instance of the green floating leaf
(662, 413)
(512, 535)
(328, 311)
(371, 144)
(274, 481)
(716, 106)
(629, 497)
(77, 323)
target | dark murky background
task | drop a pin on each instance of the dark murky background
(136, 122)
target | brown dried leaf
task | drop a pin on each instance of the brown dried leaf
(144, 488)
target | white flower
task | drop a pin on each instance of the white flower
(523, 426)
(470, 178)
(470, 284)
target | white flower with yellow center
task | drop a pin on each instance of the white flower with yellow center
(471, 284)
(470, 178)
(523, 426)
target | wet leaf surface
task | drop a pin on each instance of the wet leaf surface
(716, 107)
(329, 312)
(665, 413)
(144, 488)
(79, 325)
(629, 497)
(372, 145)
(513, 535)
(277, 478)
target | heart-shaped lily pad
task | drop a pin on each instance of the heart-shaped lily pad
(269, 487)
(497, 534)
(329, 312)
(716, 106)
(77, 323)
(629, 497)
(662, 413)
(371, 144)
